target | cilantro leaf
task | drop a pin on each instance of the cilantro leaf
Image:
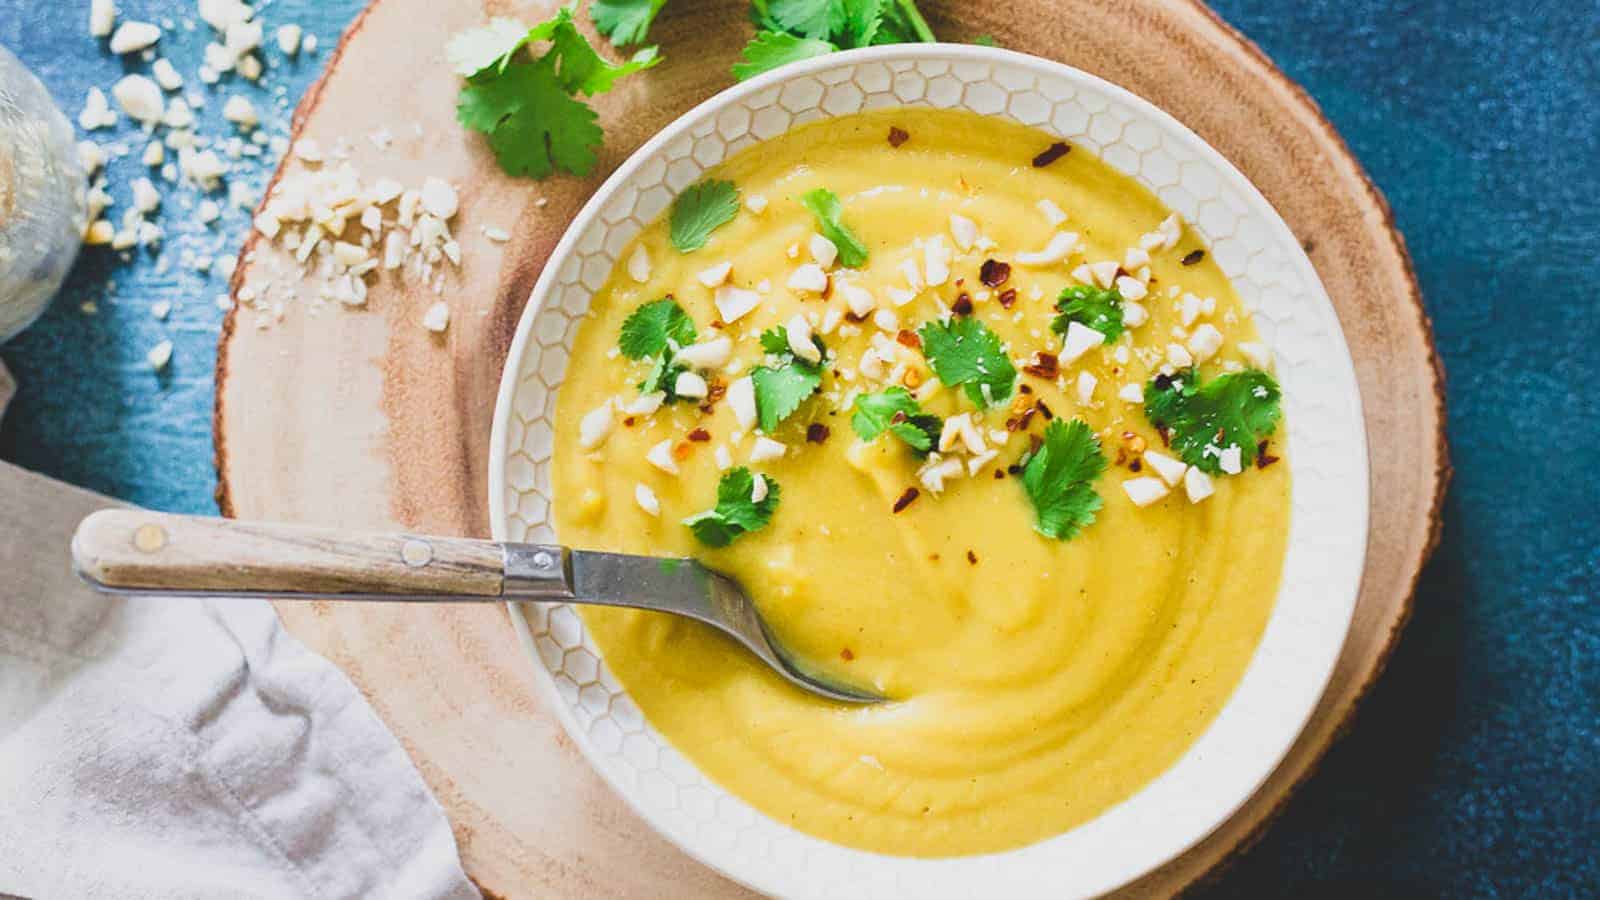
(824, 204)
(1097, 308)
(771, 49)
(902, 24)
(792, 30)
(817, 19)
(529, 110)
(534, 126)
(862, 19)
(735, 513)
(657, 329)
(1059, 479)
(896, 411)
(1203, 418)
(581, 68)
(663, 377)
(964, 351)
(782, 388)
(775, 341)
(624, 22)
(701, 209)
(648, 329)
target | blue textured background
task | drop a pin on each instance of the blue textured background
(1474, 768)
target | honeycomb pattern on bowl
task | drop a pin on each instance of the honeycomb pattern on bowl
(1247, 240)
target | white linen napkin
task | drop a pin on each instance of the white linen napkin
(180, 748)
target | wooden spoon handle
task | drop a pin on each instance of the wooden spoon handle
(137, 550)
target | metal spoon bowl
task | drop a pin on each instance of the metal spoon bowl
(137, 552)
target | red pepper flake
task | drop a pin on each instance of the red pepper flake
(700, 434)
(1024, 388)
(1050, 154)
(681, 451)
(1193, 257)
(909, 339)
(817, 432)
(972, 557)
(999, 474)
(855, 318)
(1044, 365)
(898, 417)
(1020, 423)
(898, 135)
(1045, 411)
(1008, 297)
(994, 273)
(1263, 459)
(628, 422)
(906, 498)
(846, 655)
(963, 305)
(1135, 466)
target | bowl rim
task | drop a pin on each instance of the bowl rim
(1138, 865)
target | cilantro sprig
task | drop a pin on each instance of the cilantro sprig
(1094, 307)
(737, 512)
(792, 30)
(1059, 479)
(528, 105)
(1202, 418)
(657, 330)
(648, 330)
(780, 389)
(894, 410)
(963, 351)
(624, 22)
(701, 209)
(825, 205)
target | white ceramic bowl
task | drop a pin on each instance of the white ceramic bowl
(1327, 447)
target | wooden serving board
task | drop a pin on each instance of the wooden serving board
(365, 419)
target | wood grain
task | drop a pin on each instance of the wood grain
(365, 420)
(138, 549)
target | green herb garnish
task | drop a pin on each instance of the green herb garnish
(530, 109)
(658, 329)
(1203, 418)
(1059, 479)
(782, 388)
(701, 209)
(1097, 308)
(624, 22)
(964, 351)
(894, 410)
(791, 30)
(771, 49)
(824, 204)
(736, 513)
(650, 329)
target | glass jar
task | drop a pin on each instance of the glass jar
(42, 189)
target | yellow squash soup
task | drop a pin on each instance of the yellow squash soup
(1036, 680)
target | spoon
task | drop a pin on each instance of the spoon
(128, 551)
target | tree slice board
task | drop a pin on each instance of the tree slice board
(362, 418)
